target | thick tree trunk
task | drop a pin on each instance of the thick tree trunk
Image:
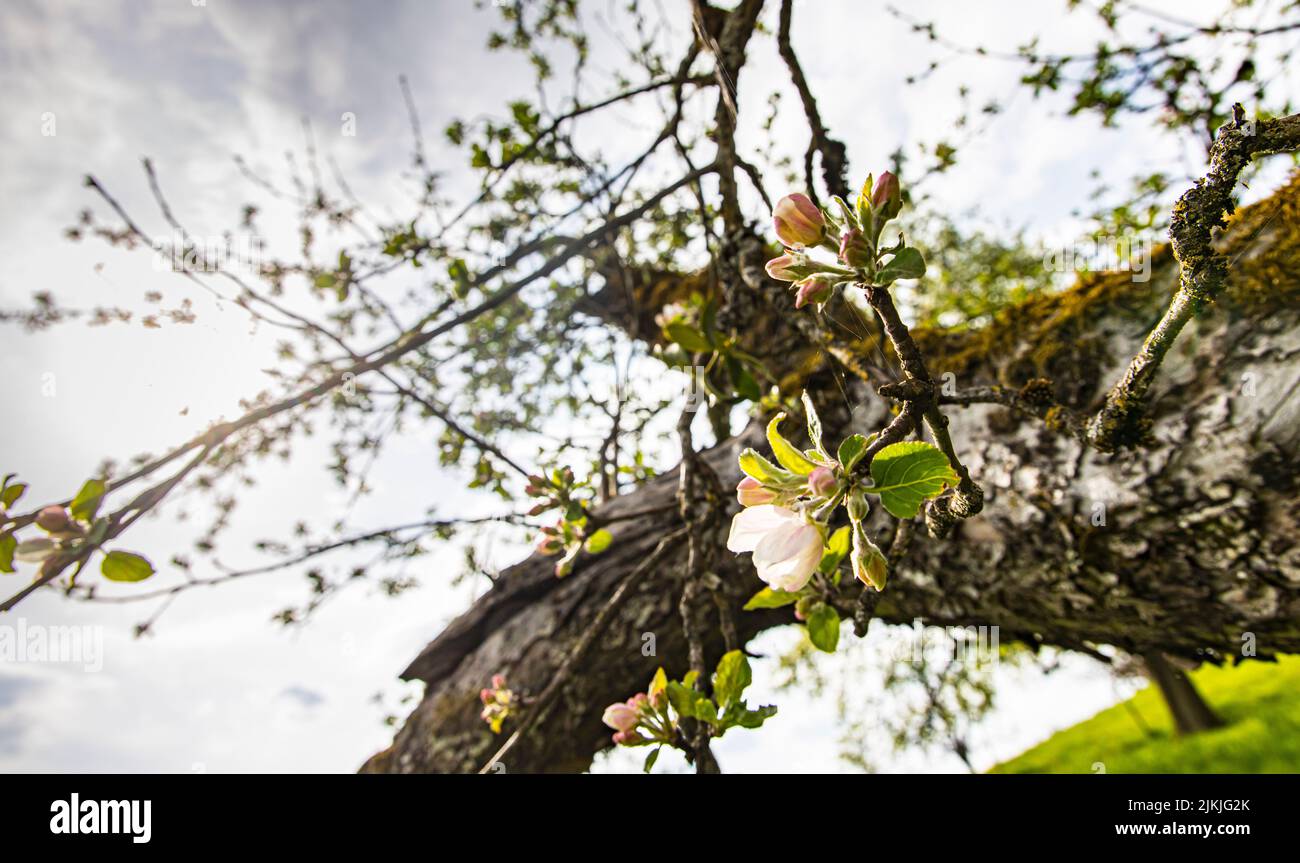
(1187, 548)
(1188, 709)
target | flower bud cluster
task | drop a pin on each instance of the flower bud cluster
(853, 236)
(61, 530)
(783, 520)
(570, 533)
(643, 718)
(498, 701)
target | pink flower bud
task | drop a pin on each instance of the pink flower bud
(814, 289)
(854, 249)
(798, 222)
(751, 492)
(803, 608)
(621, 737)
(498, 681)
(888, 196)
(485, 695)
(780, 269)
(821, 482)
(620, 717)
(636, 701)
(52, 518)
(547, 544)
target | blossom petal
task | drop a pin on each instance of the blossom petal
(802, 552)
(783, 541)
(751, 524)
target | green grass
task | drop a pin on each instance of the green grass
(1258, 701)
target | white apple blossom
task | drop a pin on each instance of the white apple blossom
(786, 548)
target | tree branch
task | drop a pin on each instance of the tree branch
(1122, 421)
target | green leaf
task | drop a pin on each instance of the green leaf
(598, 541)
(746, 386)
(731, 679)
(682, 698)
(764, 471)
(836, 549)
(689, 702)
(769, 598)
(824, 627)
(458, 272)
(7, 546)
(907, 264)
(688, 337)
(852, 449)
(325, 280)
(755, 718)
(86, 503)
(742, 382)
(814, 425)
(9, 494)
(651, 758)
(125, 566)
(786, 454)
(907, 474)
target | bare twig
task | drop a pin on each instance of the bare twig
(834, 154)
(400, 347)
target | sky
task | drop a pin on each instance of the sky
(93, 87)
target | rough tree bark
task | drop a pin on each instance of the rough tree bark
(1181, 548)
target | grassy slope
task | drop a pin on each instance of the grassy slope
(1259, 701)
